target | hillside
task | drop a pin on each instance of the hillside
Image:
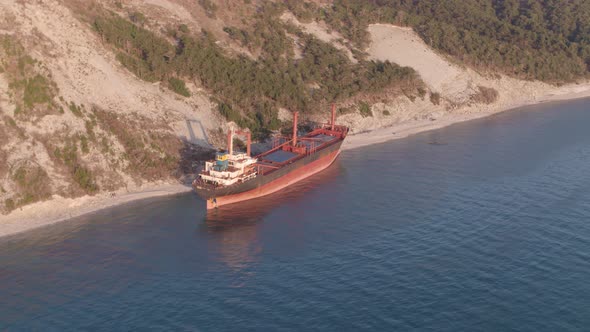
(73, 121)
(546, 40)
(103, 98)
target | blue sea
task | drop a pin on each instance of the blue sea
(481, 226)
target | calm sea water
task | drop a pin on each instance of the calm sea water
(482, 226)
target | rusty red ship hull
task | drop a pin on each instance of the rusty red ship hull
(280, 167)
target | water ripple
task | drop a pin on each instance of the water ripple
(487, 232)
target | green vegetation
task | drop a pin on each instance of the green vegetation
(238, 34)
(137, 18)
(89, 125)
(152, 153)
(178, 86)
(84, 144)
(31, 88)
(306, 12)
(547, 40)
(365, 109)
(248, 91)
(68, 156)
(32, 185)
(386, 113)
(183, 28)
(9, 204)
(37, 91)
(76, 110)
(83, 177)
(485, 95)
(209, 6)
(345, 110)
(435, 98)
(421, 92)
(10, 121)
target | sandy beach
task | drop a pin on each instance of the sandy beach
(403, 130)
(61, 209)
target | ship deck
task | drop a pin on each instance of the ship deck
(282, 154)
(310, 141)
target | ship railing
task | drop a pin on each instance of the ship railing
(213, 185)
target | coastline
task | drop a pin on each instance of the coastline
(403, 130)
(62, 209)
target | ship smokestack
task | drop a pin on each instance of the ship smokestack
(333, 116)
(249, 136)
(230, 142)
(295, 116)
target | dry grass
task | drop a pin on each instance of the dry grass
(66, 151)
(30, 83)
(435, 98)
(152, 150)
(32, 184)
(485, 95)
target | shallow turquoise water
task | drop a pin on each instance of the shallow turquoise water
(480, 226)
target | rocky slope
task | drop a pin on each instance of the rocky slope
(73, 121)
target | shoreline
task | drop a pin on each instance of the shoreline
(405, 129)
(63, 209)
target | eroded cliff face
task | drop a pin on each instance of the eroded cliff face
(73, 122)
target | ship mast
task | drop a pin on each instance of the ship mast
(333, 116)
(295, 116)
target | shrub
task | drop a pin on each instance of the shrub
(209, 6)
(83, 177)
(37, 91)
(76, 110)
(84, 144)
(10, 121)
(151, 151)
(421, 92)
(68, 156)
(9, 204)
(177, 85)
(345, 110)
(435, 98)
(485, 95)
(32, 185)
(137, 18)
(229, 113)
(238, 34)
(183, 28)
(365, 109)
(386, 113)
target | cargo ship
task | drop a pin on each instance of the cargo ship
(235, 177)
